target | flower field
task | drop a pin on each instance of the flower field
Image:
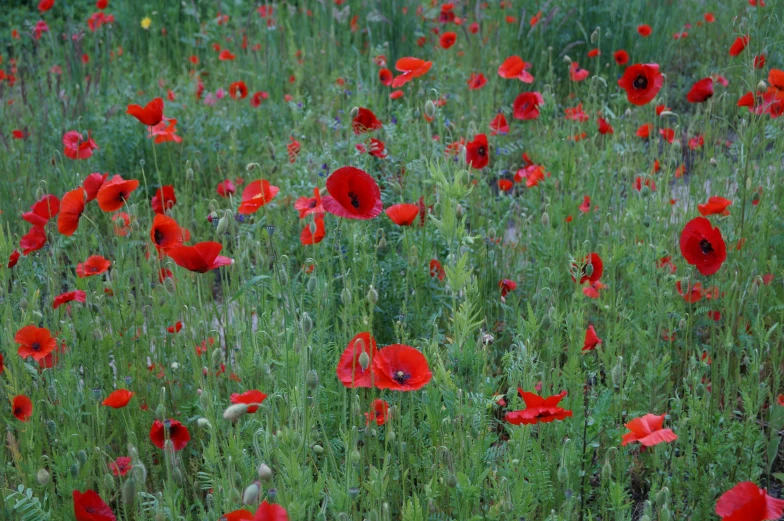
(385, 260)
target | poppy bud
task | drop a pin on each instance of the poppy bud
(160, 412)
(249, 167)
(251, 494)
(264, 472)
(567, 59)
(391, 436)
(595, 35)
(353, 493)
(664, 514)
(203, 423)
(318, 449)
(646, 220)
(355, 456)
(372, 295)
(42, 477)
(606, 470)
(645, 191)
(364, 360)
(306, 322)
(545, 220)
(82, 457)
(235, 412)
(430, 109)
(628, 113)
(74, 469)
(382, 243)
(312, 379)
(189, 174)
(223, 225)
(451, 481)
(345, 296)
(129, 491)
(283, 276)
(599, 79)
(762, 86)
(51, 426)
(563, 474)
(661, 496)
(108, 481)
(606, 229)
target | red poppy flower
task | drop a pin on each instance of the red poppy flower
(94, 265)
(150, 115)
(701, 91)
(177, 433)
(71, 209)
(76, 147)
(621, 57)
(402, 214)
(257, 194)
(668, 134)
(238, 89)
(22, 407)
(200, 258)
(476, 81)
(309, 205)
(526, 105)
(714, 206)
(45, 5)
(90, 507)
(13, 258)
(164, 132)
(121, 466)
(118, 399)
(591, 339)
(604, 127)
(42, 210)
(313, 233)
(379, 413)
(122, 224)
(436, 270)
(538, 409)
(410, 68)
(237, 515)
(249, 397)
(641, 82)
(365, 121)
(350, 370)
(505, 185)
(400, 368)
(353, 194)
(576, 113)
(92, 184)
(739, 45)
(36, 342)
(596, 268)
(477, 153)
(164, 199)
(447, 40)
(165, 232)
(692, 294)
(747, 502)
(71, 296)
(776, 79)
(576, 73)
(703, 246)
(34, 240)
(226, 55)
(270, 512)
(385, 77)
(225, 188)
(113, 195)
(648, 431)
(499, 125)
(515, 68)
(644, 131)
(644, 30)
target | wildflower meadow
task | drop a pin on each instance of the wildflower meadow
(391, 260)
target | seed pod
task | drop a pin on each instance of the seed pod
(284, 276)
(318, 449)
(264, 472)
(661, 496)
(189, 174)
(74, 469)
(355, 456)
(312, 379)
(762, 86)
(353, 493)
(108, 481)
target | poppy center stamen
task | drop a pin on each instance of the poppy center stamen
(706, 246)
(354, 200)
(36, 346)
(401, 377)
(640, 82)
(312, 203)
(158, 237)
(482, 152)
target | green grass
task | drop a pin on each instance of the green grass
(446, 452)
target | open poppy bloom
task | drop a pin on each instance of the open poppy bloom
(515, 68)
(150, 115)
(92, 183)
(121, 466)
(691, 294)
(113, 195)
(226, 55)
(350, 370)
(703, 246)
(385, 77)
(591, 339)
(476, 152)
(238, 89)
(22, 408)
(506, 286)
(621, 57)
(71, 296)
(76, 147)
(313, 233)
(270, 512)
(641, 82)
(200, 258)
(309, 205)
(365, 121)
(526, 105)
(591, 268)
(538, 409)
(33, 240)
(164, 199)
(714, 206)
(379, 413)
(257, 194)
(402, 214)
(42, 210)
(747, 502)
(400, 367)
(701, 91)
(499, 125)
(165, 131)
(94, 265)
(648, 431)
(410, 68)
(118, 399)
(353, 194)
(476, 81)
(71, 209)
(165, 232)
(253, 398)
(13, 259)
(237, 515)
(739, 45)
(177, 433)
(90, 507)
(225, 188)
(604, 127)
(436, 269)
(36, 342)
(447, 39)
(576, 73)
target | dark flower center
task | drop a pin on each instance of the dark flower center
(482, 152)
(706, 246)
(36, 346)
(18, 411)
(312, 203)
(90, 509)
(640, 82)
(122, 196)
(354, 200)
(159, 237)
(401, 377)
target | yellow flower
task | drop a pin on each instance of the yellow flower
(146, 22)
